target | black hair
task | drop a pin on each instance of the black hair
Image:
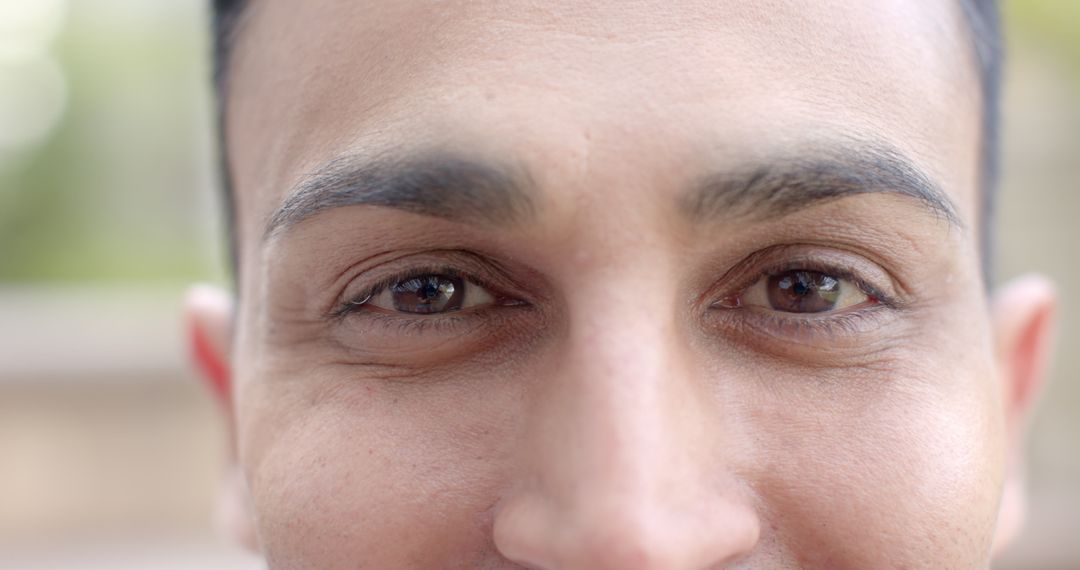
(983, 18)
(226, 14)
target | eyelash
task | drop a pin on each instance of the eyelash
(795, 326)
(800, 328)
(357, 303)
(786, 325)
(829, 269)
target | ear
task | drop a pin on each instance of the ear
(1023, 315)
(208, 312)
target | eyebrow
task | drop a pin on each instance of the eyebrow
(440, 184)
(783, 185)
(454, 187)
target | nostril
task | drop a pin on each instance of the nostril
(520, 532)
(618, 550)
(535, 534)
(614, 470)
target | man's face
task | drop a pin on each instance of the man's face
(567, 285)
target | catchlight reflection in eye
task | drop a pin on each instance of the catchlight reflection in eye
(430, 294)
(800, 291)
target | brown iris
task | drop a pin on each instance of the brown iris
(803, 292)
(428, 294)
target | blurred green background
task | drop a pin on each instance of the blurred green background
(106, 172)
(108, 208)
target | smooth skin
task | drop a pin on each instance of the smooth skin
(617, 391)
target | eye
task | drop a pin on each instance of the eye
(802, 291)
(429, 294)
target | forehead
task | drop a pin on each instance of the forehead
(594, 92)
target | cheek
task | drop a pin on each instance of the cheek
(908, 477)
(370, 477)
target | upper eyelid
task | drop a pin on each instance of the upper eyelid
(395, 279)
(349, 303)
(473, 267)
(403, 262)
(774, 261)
(847, 275)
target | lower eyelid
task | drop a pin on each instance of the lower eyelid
(804, 327)
(456, 322)
(409, 324)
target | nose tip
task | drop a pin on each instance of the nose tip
(625, 461)
(625, 533)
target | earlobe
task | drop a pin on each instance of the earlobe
(1023, 317)
(208, 313)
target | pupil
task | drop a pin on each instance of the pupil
(803, 292)
(428, 294)
(430, 290)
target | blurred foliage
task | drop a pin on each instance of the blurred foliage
(118, 190)
(1052, 23)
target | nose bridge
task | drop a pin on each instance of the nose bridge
(622, 376)
(618, 374)
(615, 474)
(617, 390)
